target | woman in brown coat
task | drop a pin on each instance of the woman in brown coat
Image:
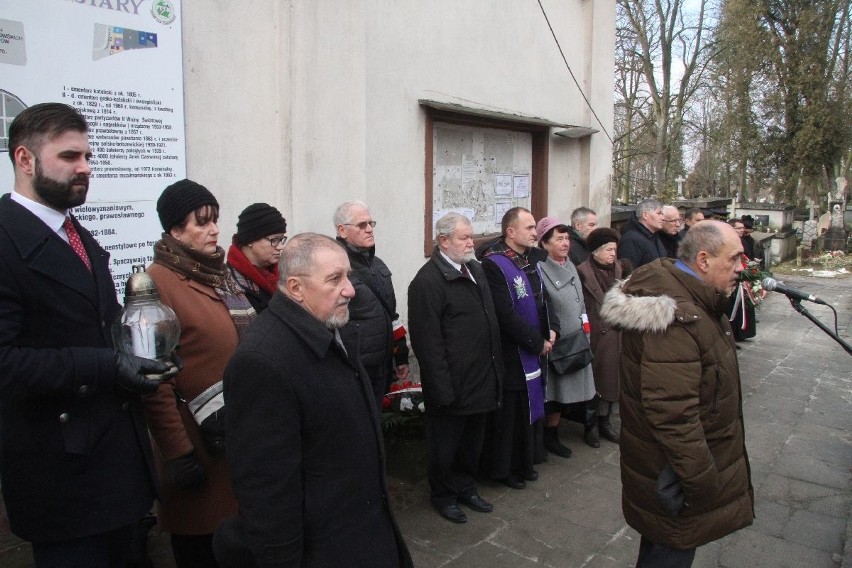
(598, 274)
(190, 273)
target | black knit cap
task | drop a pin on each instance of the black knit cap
(180, 199)
(600, 237)
(259, 220)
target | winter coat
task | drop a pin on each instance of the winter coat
(565, 297)
(578, 252)
(681, 405)
(456, 337)
(669, 243)
(639, 245)
(75, 458)
(208, 338)
(370, 320)
(606, 339)
(305, 448)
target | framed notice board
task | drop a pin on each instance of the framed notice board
(480, 173)
(481, 168)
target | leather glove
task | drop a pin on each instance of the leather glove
(186, 472)
(130, 372)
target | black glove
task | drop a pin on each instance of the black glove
(130, 372)
(186, 472)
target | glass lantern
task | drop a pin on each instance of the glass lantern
(145, 327)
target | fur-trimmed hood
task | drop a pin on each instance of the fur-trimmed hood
(656, 295)
(637, 313)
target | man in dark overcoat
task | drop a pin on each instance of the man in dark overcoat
(303, 439)
(381, 337)
(456, 337)
(640, 239)
(75, 458)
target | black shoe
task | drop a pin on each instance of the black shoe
(477, 503)
(513, 481)
(452, 513)
(531, 476)
(608, 432)
(553, 445)
(592, 437)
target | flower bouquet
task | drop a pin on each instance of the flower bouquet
(403, 407)
(751, 280)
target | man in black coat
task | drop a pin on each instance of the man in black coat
(670, 234)
(640, 241)
(583, 222)
(456, 337)
(303, 438)
(372, 312)
(75, 458)
(514, 442)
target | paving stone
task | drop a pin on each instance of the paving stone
(751, 549)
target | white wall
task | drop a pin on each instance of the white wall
(308, 104)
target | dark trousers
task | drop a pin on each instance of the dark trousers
(453, 446)
(512, 443)
(193, 551)
(105, 550)
(658, 556)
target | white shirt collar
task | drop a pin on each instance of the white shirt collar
(50, 217)
(452, 262)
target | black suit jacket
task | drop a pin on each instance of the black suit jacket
(75, 458)
(305, 448)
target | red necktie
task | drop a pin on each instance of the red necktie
(466, 273)
(75, 242)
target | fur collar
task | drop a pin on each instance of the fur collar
(638, 313)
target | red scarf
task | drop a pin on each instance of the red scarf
(266, 280)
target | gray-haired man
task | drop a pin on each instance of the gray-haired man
(456, 336)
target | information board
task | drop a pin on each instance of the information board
(120, 63)
(480, 173)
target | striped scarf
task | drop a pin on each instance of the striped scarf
(209, 270)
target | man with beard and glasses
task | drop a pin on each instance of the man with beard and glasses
(304, 443)
(75, 459)
(456, 337)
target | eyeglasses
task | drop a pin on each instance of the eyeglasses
(275, 241)
(672, 221)
(362, 225)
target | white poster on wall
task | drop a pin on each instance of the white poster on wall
(120, 63)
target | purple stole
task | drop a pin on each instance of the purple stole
(524, 303)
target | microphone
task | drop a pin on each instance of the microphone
(774, 286)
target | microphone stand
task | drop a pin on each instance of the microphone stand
(797, 305)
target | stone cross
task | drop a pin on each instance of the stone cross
(680, 180)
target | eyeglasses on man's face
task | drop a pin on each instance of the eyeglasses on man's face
(362, 225)
(277, 240)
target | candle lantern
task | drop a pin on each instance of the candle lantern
(145, 327)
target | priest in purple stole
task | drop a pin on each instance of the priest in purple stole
(527, 335)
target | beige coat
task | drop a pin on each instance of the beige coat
(207, 341)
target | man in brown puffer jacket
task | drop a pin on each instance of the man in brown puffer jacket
(684, 469)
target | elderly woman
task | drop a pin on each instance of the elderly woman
(598, 274)
(565, 302)
(190, 273)
(255, 250)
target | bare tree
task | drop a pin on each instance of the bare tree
(665, 37)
